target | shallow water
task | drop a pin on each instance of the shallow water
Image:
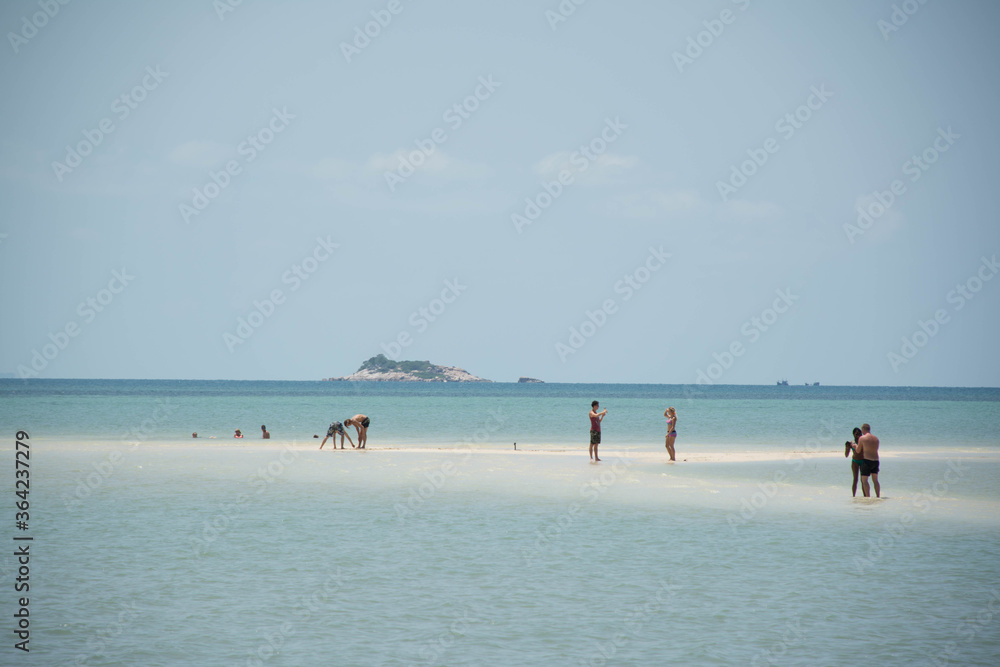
(153, 548)
(204, 555)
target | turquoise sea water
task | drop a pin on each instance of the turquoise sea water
(498, 413)
(160, 550)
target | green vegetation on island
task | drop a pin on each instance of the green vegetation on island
(382, 369)
(424, 370)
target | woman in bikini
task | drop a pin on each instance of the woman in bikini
(856, 459)
(671, 416)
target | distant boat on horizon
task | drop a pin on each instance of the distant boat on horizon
(783, 383)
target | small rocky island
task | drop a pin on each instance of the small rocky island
(524, 380)
(382, 369)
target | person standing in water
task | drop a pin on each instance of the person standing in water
(264, 433)
(855, 459)
(867, 449)
(595, 428)
(671, 416)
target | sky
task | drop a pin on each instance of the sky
(727, 192)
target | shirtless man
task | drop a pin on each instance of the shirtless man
(361, 423)
(867, 450)
(331, 433)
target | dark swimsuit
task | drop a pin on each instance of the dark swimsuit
(869, 468)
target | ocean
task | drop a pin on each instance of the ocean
(497, 414)
(441, 545)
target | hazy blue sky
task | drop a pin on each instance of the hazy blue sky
(309, 129)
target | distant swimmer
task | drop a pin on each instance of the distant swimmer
(335, 428)
(867, 448)
(671, 416)
(361, 423)
(855, 459)
(265, 434)
(595, 428)
(238, 434)
(194, 435)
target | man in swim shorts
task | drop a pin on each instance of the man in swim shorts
(361, 423)
(595, 428)
(868, 449)
(335, 428)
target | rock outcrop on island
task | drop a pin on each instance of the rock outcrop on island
(524, 380)
(383, 369)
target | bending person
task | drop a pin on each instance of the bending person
(335, 428)
(361, 423)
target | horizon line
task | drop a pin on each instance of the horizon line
(663, 384)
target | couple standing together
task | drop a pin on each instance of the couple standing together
(595, 429)
(864, 460)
